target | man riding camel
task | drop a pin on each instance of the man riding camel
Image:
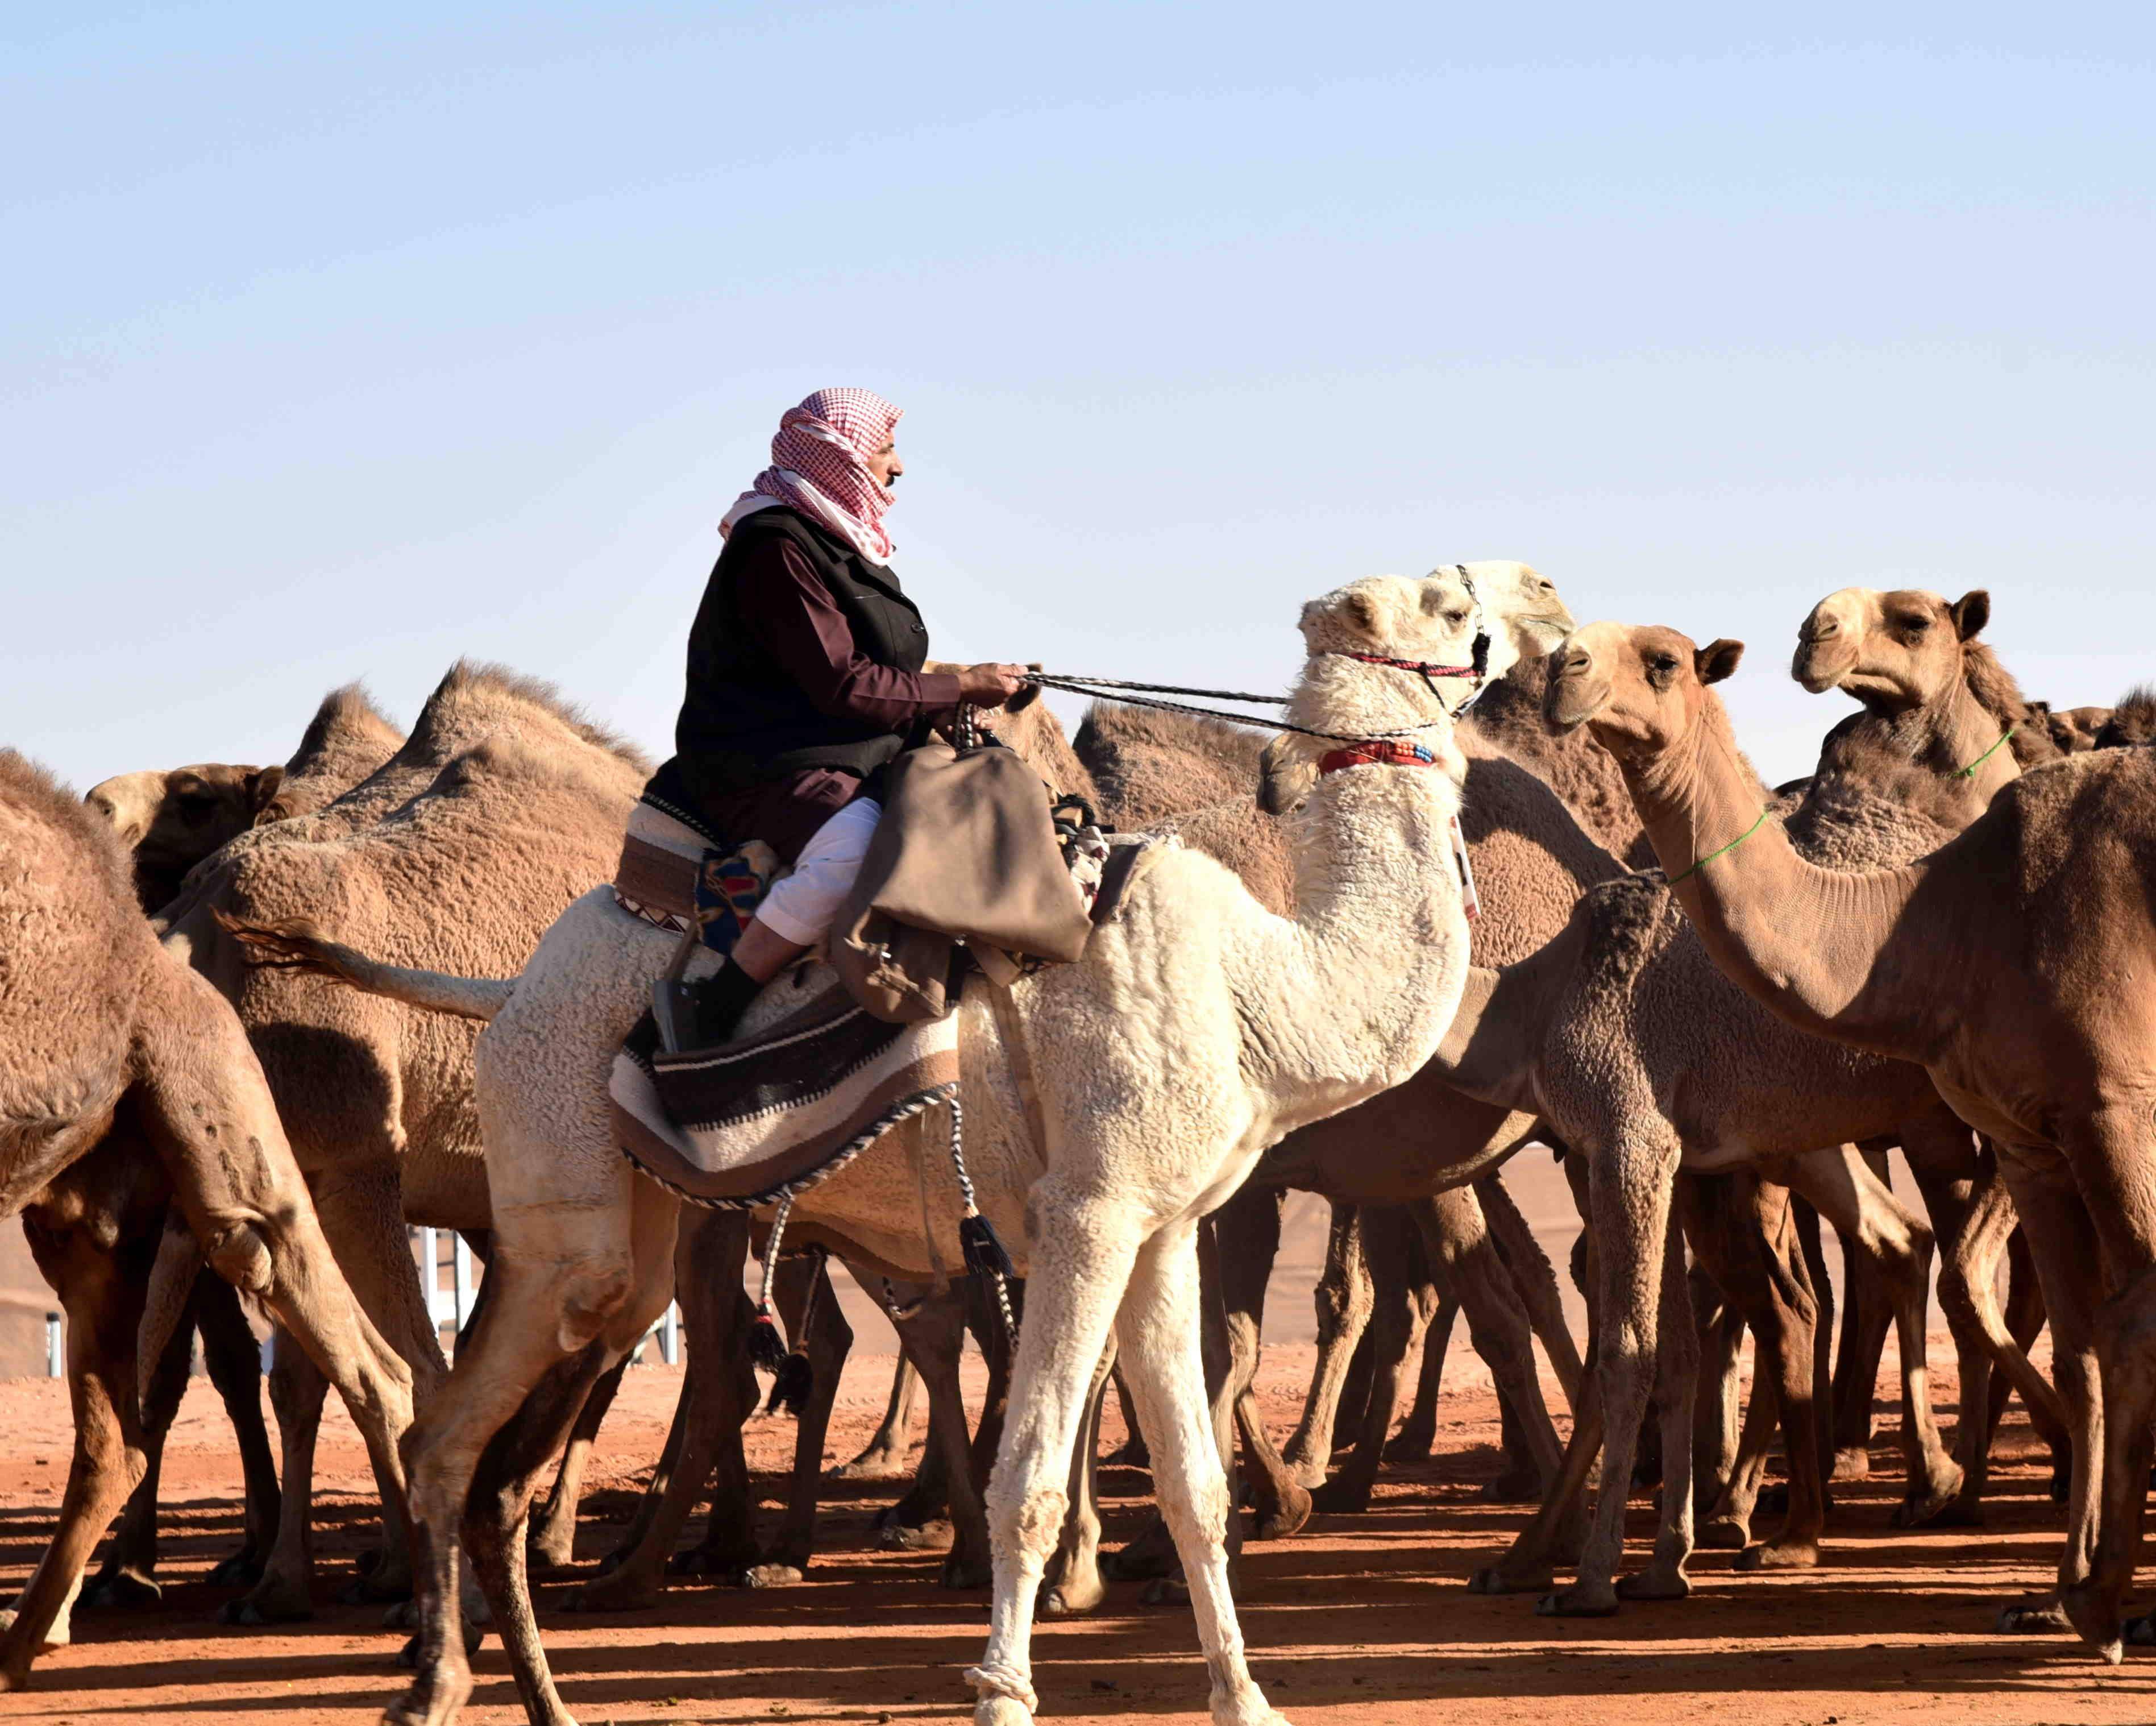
(805, 682)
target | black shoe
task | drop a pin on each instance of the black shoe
(704, 1013)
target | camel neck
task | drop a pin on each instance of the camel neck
(1955, 737)
(1491, 1049)
(1807, 942)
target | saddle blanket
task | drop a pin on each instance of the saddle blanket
(765, 1117)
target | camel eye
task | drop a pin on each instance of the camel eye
(1916, 625)
(1455, 618)
(1661, 667)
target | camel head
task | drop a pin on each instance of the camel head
(1640, 690)
(1521, 605)
(1892, 651)
(2073, 731)
(171, 821)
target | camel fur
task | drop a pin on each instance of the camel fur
(2013, 963)
(1197, 1029)
(98, 1019)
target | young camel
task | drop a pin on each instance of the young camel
(2014, 963)
(97, 1020)
(1197, 1029)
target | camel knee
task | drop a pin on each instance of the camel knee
(1200, 1515)
(592, 1293)
(1029, 1525)
(239, 1254)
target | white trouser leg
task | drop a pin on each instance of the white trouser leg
(801, 907)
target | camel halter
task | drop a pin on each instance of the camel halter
(1701, 863)
(1133, 694)
(1969, 772)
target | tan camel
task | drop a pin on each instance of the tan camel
(104, 1219)
(98, 1021)
(1933, 696)
(1197, 1029)
(500, 807)
(2013, 963)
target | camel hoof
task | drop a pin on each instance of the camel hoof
(1496, 1579)
(1852, 1463)
(376, 1585)
(1287, 1517)
(1409, 1447)
(1724, 1533)
(2061, 1482)
(928, 1537)
(1579, 1602)
(1071, 1599)
(119, 1588)
(425, 1705)
(727, 1566)
(403, 1615)
(1001, 1711)
(2042, 1615)
(1779, 1555)
(242, 1569)
(1165, 1591)
(880, 1465)
(1515, 1486)
(548, 1560)
(1131, 1454)
(961, 1574)
(1341, 1497)
(776, 1576)
(621, 1591)
(1251, 1709)
(1647, 1586)
(1923, 1506)
(269, 1602)
(1151, 1554)
(58, 1636)
(2142, 1632)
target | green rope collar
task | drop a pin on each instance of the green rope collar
(1726, 849)
(1969, 772)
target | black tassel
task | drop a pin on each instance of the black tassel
(766, 1346)
(984, 1253)
(794, 1385)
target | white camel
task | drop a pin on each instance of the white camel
(1197, 1029)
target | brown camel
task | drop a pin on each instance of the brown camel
(2132, 723)
(96, 1020)
(500, 807)
(101, 1218)
(2012, 964)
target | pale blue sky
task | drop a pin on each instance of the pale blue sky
(338, 349)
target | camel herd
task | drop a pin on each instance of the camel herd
(383, 983)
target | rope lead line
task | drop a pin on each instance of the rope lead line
(1969, 772)
(984, 1254)
(1725, 850)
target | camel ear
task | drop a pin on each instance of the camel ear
(1972, 612)
(262, 785)
(1361, 609)
(1716, 659)
(1284, 777)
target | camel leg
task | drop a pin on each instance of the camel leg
(1862, 1208)
(1867, 1313)
(127, 1577)
(1418, 1435)
(1807, 1269)
(1535, 1278)
(554, 1535)
(1072, 1582)
(885, 1453)
(1465, 1258)
(933, 1334)
(1237, 1247)
(718, 1389)
(1132, 1452)
(1630, 1192)
(1715, 1401)
(1157, 1329)
(2063, 1241)
(1075, 1281)
(1745, 1233)
(803, 1289)
(103, 1300)
(2023, 1314)
(1343, 1300)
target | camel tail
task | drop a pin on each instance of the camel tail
(296, 945)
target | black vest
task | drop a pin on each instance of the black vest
(744, 722)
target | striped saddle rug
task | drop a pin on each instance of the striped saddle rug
(769, 1115)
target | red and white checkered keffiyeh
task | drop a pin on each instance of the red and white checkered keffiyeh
(818, 467)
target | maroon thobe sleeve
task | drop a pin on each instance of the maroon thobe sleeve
(792, 616)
